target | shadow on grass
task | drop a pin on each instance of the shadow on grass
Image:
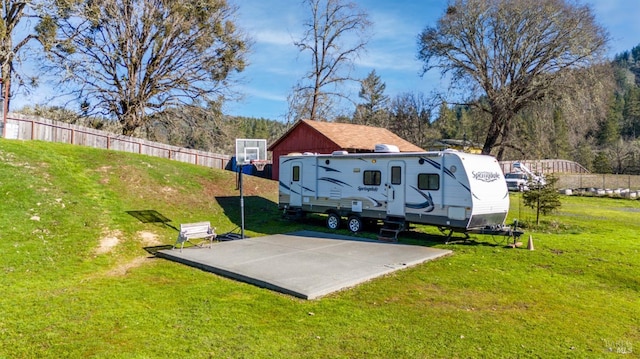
(263, 216)
(457, 239)
(154, 217)
(154, 249)
(370, 231)
(260, 214)
(151, 216)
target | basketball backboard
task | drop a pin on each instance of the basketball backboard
(248, 150)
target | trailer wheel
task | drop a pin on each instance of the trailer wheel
(333, 221)
(355, 224)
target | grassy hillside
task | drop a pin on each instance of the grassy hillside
(77, 281)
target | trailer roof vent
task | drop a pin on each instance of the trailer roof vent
(384, 148)
(339, 153)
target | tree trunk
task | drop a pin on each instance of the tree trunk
(492, 134)
(498, 129)
(129, 125)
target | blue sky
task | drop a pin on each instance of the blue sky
(275, 65)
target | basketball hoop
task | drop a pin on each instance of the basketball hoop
(249, 151)
(260, 164)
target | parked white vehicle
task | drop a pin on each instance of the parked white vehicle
(449, 189)
(523, 178)
(517, 181)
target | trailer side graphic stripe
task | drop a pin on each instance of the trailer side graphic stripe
(376, 203)
(294, 191)
(284, 186)
(334, 181)
(329, 169)
(288, 188)
(465, 187)
(427, 205)
(438, 166)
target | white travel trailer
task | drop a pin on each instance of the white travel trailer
(453, 190)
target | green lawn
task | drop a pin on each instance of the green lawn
(77, 281)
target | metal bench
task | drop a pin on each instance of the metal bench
(199, 230)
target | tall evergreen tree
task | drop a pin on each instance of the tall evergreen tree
(560, 137)
(447, 122)
(631, 113)
(609, 131)
(584, 154)
(373, 111)
(602, 163)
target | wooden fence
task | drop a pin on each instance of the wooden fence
(598, 180)
(572, 175)
(23, 127)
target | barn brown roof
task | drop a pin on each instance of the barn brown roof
(355, 138)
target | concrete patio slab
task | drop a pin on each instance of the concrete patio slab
(304, 264)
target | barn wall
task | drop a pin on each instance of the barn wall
(302, 139)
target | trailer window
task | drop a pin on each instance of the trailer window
(371, 178)
(296, 173)
(396, 175)
(429, 181)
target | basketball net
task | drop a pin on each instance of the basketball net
(260, 164)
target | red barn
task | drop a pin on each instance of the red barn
(326, 137)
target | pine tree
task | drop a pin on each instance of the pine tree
(602, 163)
(610, 128)
(373, 110)
(544, 199)
(447, 122)
(559, 137)
(631, 113)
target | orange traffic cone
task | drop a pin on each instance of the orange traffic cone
(530, 244)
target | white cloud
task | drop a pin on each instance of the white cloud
(390, 60)
(274, 37)
(264, 94)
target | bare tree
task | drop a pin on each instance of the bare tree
(301, 100)
(133, 58)
(335, 35)
(410, 118)
(512, 51)
(14, 42)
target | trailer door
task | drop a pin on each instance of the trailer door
(295, 184)
(395, 189)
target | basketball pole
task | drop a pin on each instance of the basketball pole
(241, 204)
(247, 150)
